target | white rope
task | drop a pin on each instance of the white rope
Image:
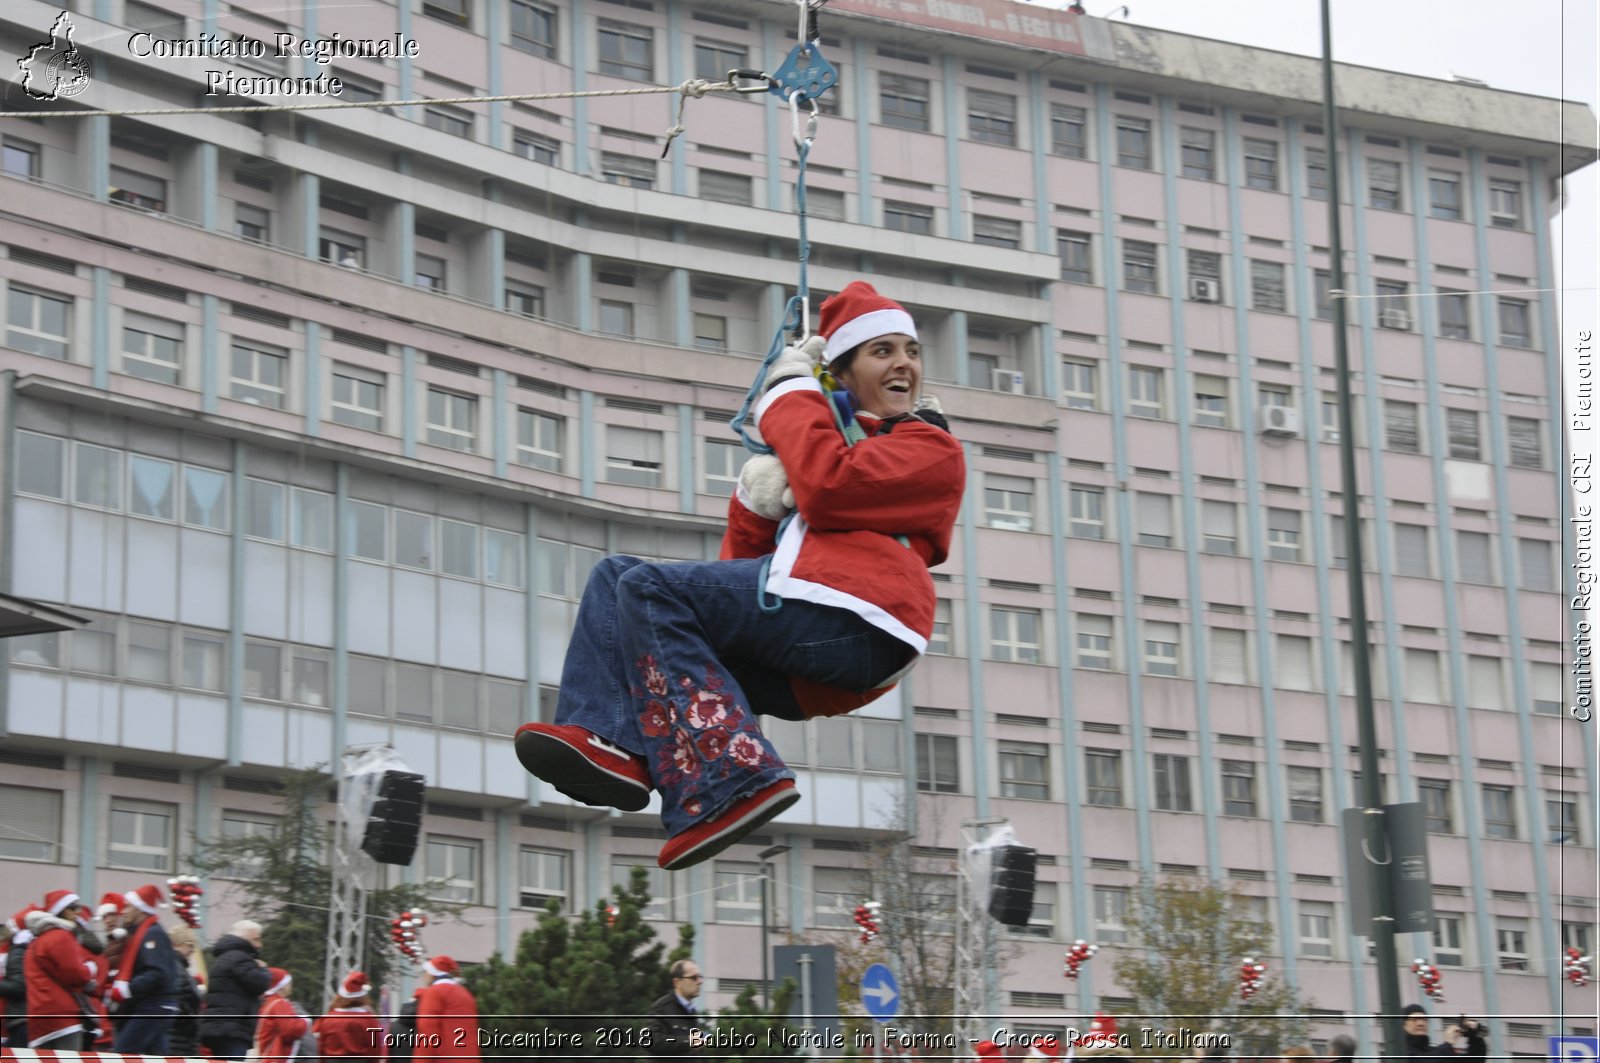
(696, 87)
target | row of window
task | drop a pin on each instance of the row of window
(142, 836)
(1019, 634)
(1213, 401)
(1395, 302)
(1284, 532)
(1024, 771)
(628, 50)
(197, 659)
(198, 497)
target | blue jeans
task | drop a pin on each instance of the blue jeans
(672, 662)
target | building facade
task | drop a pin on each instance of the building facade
(322, 418)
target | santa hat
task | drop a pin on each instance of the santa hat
(110, 904)
(858, 314)
(146, 898)
(57, 901)
(280, 979)
(442, 967)
(355, 986)
(1102, 1039)
(19, 921)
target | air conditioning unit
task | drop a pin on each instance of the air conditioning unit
(1204, 290)
(1395, 318)
(1279, 421)
(1008, 380)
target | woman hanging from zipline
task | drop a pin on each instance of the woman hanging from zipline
(820, 603)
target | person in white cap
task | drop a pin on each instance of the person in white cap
(143, 988)
(820, 602)
(447, 1015)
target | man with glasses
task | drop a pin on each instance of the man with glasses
(1414, 1023)
(674, 1026)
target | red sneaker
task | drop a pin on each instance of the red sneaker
(584, 766)
(709, 837)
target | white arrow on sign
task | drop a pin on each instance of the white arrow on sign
(882, 993)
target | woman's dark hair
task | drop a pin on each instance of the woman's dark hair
(841, 363)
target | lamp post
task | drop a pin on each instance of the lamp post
(765, 856)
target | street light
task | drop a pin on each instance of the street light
(765, 856)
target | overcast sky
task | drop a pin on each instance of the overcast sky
(1545, 47)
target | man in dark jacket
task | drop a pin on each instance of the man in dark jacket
(144, 984)
(236, 979)
(1414, 1022)
(674, 1028)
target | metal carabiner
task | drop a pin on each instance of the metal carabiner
(811, 120)
(765, 79)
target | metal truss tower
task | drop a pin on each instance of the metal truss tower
(351, 875)
(974, 935)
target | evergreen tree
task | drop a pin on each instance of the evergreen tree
(577, 976)
(283, 882)
(746, 1030)
(1186, 942)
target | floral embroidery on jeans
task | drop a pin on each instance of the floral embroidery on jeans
(707, 740)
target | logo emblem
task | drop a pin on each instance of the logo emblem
(56, 69)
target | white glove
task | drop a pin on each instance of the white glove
(797, 361)
(764, 487)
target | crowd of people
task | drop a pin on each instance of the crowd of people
(113, 979)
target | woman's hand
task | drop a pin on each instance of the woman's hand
(797, 361)
(764, 487)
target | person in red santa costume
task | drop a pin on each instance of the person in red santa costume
(821, 599)
(59, 974)
(447, 1015)
(350, 1029)
(278, 1026)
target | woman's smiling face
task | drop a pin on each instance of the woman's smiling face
(885, 375)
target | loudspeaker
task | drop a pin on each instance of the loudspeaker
(1011, 884)
(396, 818)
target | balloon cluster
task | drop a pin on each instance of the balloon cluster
(1079, 954)
(1429, 978)
(1577, 967)
(403, 931)
(1251, 974)
(611, 914)
(186, 893)
(866, 916)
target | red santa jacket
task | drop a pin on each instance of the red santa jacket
(57, 970)
(278, 1027)
(447, 1022)
(854, 504)
(352, 1033)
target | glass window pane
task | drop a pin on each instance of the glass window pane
(313, 520)
(204, 658)
(41, 464)
(502, 557)
(97, 476)
(367, 537)
(205, 498)
(263, 671)
(459, 548)
(152, 484)
(311, 678)
(94, 650)
(264, 510)
(413, 539)
(413, 693)
(149, 652)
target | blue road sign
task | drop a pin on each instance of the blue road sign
(1562, 1049)
(880, 993)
